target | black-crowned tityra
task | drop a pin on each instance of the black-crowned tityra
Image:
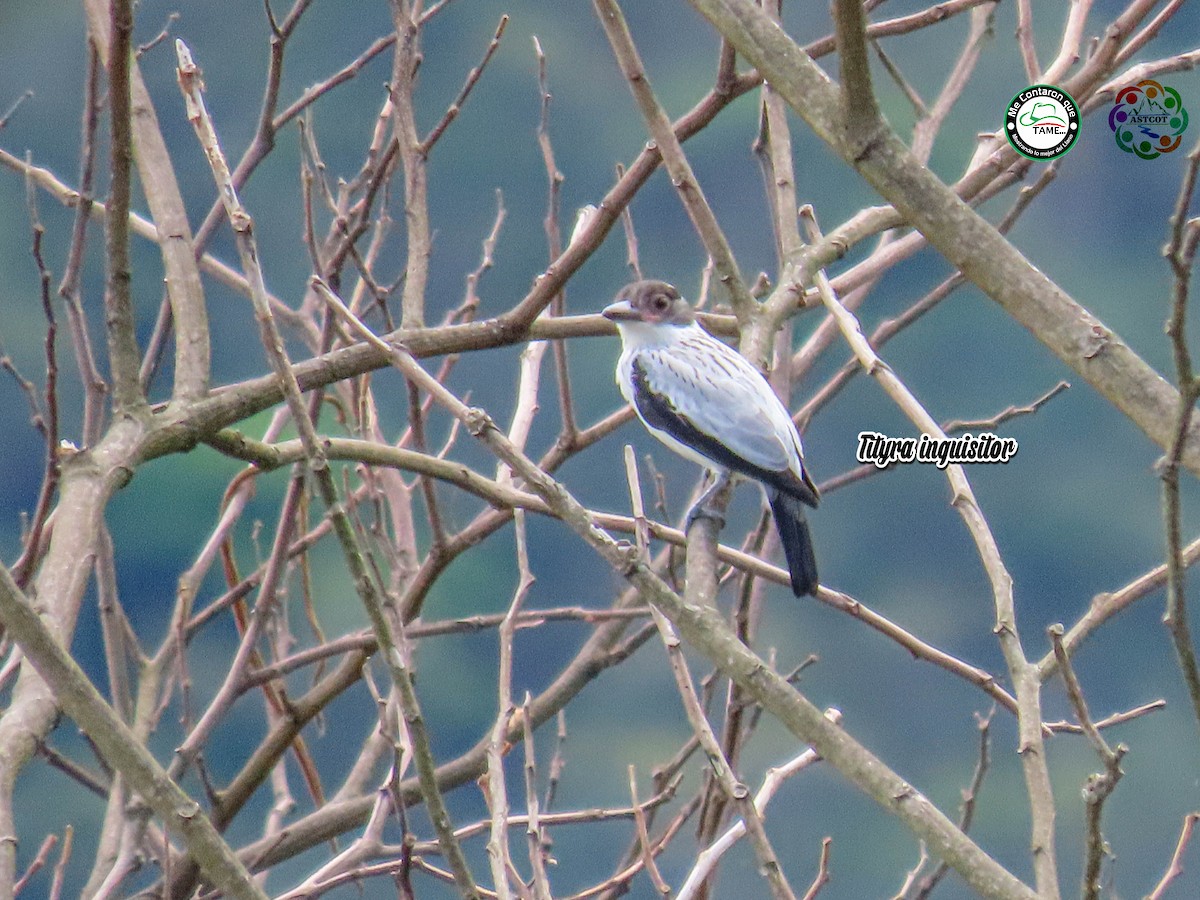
(707, 403)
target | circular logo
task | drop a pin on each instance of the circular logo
(1042, 122)
(1148, 119)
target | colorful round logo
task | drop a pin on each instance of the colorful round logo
(1042, 122)
(1148, 119)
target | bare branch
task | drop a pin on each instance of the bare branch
(1099, 786)
(970, 797)
(823, 876)
(120, 746)
(364, 580)
(1104, 606)
(774, 779)
(676, 163)
(171, 229)
(473, 77)
(1181, 256)
(1009, 412)
(860, 112)
(412, 155)
(123, 355)
(643, 836)
(6, 117)
(1025, 40)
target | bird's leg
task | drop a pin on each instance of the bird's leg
(701, 509)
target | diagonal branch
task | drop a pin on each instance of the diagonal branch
(1109, 603)
(120, 746)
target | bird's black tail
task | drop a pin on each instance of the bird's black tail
(797, 542)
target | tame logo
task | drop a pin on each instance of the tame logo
(1042, 122)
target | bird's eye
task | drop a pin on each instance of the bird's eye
(660, 303)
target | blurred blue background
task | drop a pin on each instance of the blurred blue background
(1076, 512)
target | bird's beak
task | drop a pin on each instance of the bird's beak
(621, 311)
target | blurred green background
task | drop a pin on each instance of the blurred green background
(1075, 513)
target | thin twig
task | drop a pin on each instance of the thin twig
(94, 385)
(906, 88)
(1175, 869)
(632, 258)
(163, 34)
(1009, 412)
(970, 797)
(772, 781)
(932, 15)
(497, 796)
(473, 77)
(1033, 69)
(1105, 606)
(1148, 32)
(1099, 786)
(558, 762)
(45, 412)
(6, 117)
(534, 836)
(643, 836)
(37, 863)
(930, 124)
(554, 182)
(823, 876)
(1181, 254)
(60, 867)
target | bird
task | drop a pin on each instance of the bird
(706, 402)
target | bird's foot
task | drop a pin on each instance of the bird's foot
(703, 508)
(703, 511)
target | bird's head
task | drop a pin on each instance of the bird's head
(651, 303)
